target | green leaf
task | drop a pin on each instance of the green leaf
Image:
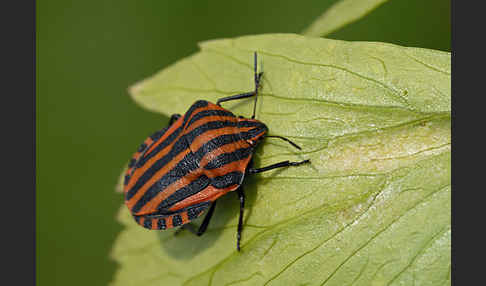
(339, 15)
(373, 208)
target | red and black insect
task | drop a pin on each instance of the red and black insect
(179, 172)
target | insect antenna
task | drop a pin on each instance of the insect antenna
(257, 83)
(285, 139)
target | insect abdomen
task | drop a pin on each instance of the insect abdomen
(165, 221)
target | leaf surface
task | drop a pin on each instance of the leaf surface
(373, 208)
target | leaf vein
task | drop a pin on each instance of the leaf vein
(381, 231)
(393, 90)
(420, 252)
(326, 240)
(425, 64)
(245, 279)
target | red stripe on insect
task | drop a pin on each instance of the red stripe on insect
(168, 221)
(169, 132)
(210, 106)
(130, 203)
(210, 193)
(201, 140)
(185, 217)
(142, 169)
(228, 148)
(204, 120)
(161, 196)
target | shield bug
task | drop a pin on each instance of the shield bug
(179, 172)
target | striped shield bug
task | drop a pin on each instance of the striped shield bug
(179, 172)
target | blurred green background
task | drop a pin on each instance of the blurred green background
(89, 52)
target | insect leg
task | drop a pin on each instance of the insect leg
(236, 96)
(246, 94)
(257, 85)
(174, 118)
(285, 139)
(275, 166)
(241, 196)
(203, 226)
(206, 220)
